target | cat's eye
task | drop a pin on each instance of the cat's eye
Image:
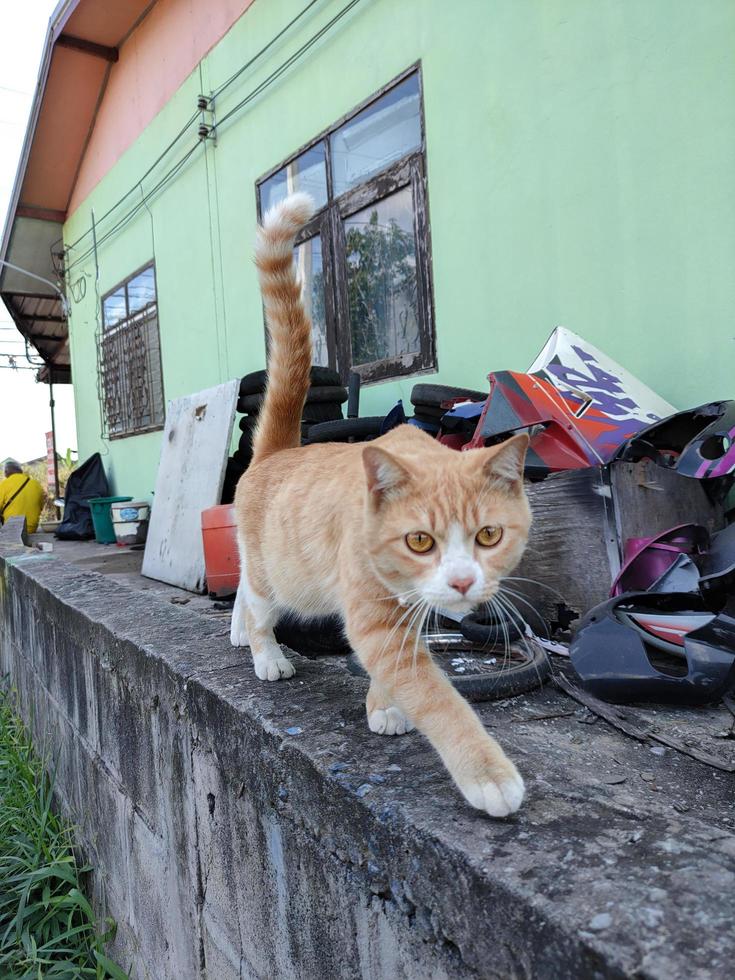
(420, 542)
(488, 537)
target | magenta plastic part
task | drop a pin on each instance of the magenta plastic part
(646, 560)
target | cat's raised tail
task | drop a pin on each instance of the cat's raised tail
(289, 328)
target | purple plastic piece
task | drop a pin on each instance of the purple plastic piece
(647, 560)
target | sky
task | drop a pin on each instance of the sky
(24, 404)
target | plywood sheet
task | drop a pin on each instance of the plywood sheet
(191, 472)
(581, 520)
(569, 548)
(650, 499)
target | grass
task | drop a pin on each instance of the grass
(47, 927)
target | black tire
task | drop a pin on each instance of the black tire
(243, 455)
(326, 412)
(432, 427)
(314, 637)
(233, 471)
(426, 394)
(513, 679)
(247, 423)
(241, 406)
(488, 633)
(254, 383)
(331, 393)
(477, 624)
(344, 429)
(428, 413)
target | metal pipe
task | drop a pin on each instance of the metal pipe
(53, 432)
(353, 395)
(32, 275)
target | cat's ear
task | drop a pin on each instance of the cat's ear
(504, 463)
(385, 475)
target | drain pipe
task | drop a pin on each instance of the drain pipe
(51, 402)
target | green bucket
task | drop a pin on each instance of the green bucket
(102, 517)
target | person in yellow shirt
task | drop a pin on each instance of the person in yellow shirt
(20, 495)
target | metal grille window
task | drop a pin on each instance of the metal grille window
(130, 357)
(365, 257)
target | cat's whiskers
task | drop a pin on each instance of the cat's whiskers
(419, 633)
(496, 612)
(504, 616)
(518, 597)
(404, 615)
(420, 606)
(529, 650)
(533, 581)
(398, 596)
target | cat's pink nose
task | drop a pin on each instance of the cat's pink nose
(462, 585)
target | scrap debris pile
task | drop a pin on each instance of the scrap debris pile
(667, 633)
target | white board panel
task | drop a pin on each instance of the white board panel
(191, 471)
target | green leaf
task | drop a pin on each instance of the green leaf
(113, 969)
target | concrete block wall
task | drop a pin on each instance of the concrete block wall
(247, 830)
(218, 847)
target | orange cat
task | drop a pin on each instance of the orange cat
(378, 533)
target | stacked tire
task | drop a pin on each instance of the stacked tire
(323, 403)
(427, 402)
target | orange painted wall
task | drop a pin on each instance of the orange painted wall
(154, 61)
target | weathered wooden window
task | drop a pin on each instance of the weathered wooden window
(129, 357)
(365, 257)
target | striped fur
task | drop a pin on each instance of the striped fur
(289, 328)
(322, 531)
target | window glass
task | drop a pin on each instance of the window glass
(311, 272)
(141, 290)
(306, 173)
(381, 279)
(114, 308)
(130, 358)
(382, 133)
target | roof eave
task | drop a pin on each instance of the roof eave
(57, 21)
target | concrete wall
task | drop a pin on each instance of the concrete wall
(580, 160)
(247, 830)
(177, 805)
(222, 850)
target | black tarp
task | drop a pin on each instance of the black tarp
(86, 482)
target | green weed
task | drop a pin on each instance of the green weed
(47, 927)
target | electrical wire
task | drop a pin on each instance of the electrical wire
(259, 89)
(259, 54)
(122, 222)
(148, 172)
(287, 64)
(221, 88)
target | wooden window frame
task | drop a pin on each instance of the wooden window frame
(140, 317)
(328, 222)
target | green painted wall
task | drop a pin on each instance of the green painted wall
(580, 171)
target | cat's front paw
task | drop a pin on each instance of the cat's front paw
(239, 635)
(272, 666)
(389, 721)
(497, 797)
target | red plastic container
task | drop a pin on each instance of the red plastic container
(221, 559)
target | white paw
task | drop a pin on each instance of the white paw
(239, 635)
(390, 721)
(272, 666)
(497, 799)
